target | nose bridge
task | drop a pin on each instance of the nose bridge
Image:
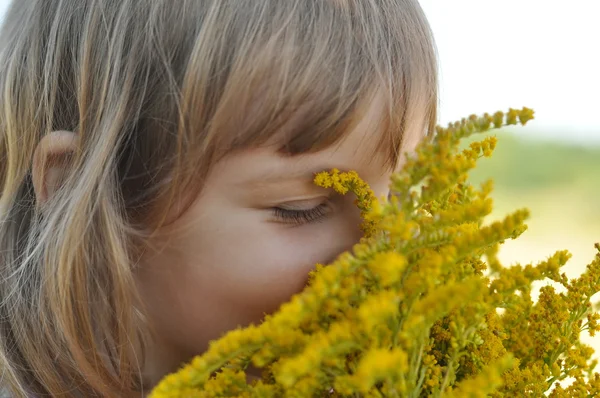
(353, 223)
(348, 232)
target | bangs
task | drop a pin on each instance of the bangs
(302, 74)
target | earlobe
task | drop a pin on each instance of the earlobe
(51, 161)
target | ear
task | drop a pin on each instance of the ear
(51, 161)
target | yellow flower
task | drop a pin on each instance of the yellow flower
(374, 366)
(422, 306)
(388, 267)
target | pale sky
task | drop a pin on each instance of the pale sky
(544, 54)
(496, 54)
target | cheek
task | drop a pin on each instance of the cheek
(261, 265)
(271, 262)
(232, 274)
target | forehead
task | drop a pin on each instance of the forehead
(366, 145)
(361, 143)
(359, 150)
(371, 137)
(375, 129)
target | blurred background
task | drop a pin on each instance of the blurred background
(545, 55)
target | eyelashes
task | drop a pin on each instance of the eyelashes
(304, 216)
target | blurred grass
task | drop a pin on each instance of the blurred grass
(560, 185)
(524, 165)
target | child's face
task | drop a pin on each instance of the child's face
(232, 258)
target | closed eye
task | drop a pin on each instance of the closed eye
(301, 216)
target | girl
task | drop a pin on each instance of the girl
(156, 170)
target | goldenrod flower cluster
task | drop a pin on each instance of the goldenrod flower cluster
(421, 306)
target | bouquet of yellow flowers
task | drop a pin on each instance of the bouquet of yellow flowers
(421, 306)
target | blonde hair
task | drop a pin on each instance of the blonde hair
(157, 92)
